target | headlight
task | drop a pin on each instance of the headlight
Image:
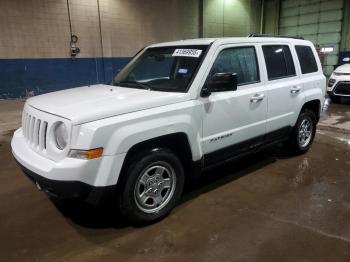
(61, 135)
(331, 82)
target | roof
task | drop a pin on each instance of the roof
(197, 41)
(227, 40)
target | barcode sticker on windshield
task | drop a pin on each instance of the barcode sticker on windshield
(187, 52)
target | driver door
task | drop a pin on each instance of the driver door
(235, 121)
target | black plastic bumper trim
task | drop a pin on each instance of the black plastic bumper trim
(339, 87)
(69, 189)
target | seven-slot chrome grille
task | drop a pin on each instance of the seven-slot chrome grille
(34, 131)
(37, 129)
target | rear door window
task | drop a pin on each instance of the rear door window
(279, 61)
(306, 59)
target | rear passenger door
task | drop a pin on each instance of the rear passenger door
(314, 82)
(284, 88)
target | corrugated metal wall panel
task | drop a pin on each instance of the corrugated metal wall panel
(319, 21)
(331, 27)
(309, 9)
(310, 18)
(332, 5)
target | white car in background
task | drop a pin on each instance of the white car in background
(339, 82)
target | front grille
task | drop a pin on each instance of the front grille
(342, 88)
(34, 131)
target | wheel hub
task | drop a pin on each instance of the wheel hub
(305, 132)
(155, 187)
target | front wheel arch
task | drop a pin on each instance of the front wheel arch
(176, 142)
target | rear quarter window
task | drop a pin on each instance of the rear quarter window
(306, 59)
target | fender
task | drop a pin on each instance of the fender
(313, 94)
(118, 134)
(129, 135)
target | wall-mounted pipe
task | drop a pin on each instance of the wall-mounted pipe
(69, 19)
(101, 38)
(262, 17)
(200, 17)
(74, 50)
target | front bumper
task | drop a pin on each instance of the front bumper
(340, 87)
(68, 178)
(69, 189)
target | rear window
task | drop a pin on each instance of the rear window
(306, 59)
(279, 61)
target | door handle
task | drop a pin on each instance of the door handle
(257, 98)
(295, 89)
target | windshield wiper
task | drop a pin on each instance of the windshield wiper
(134, 84)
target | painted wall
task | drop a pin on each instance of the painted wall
(35, 37)
(231, 17)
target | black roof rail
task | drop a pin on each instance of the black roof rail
(276, 36)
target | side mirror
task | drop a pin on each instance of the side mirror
(346, 59)
(220, 82)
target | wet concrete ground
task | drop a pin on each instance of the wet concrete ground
(265, 207)
(336, 116)
(10, 116)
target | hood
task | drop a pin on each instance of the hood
(343, 69)
(90, 103)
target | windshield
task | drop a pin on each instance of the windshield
(169, 69)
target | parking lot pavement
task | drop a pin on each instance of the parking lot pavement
(265, 207)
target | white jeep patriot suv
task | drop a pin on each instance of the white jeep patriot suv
(174, 109)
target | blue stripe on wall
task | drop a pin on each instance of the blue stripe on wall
(23, 77)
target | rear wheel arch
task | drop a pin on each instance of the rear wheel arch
(314, 106)
(304, 129)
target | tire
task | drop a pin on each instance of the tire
(152, 186)
(303, 133)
